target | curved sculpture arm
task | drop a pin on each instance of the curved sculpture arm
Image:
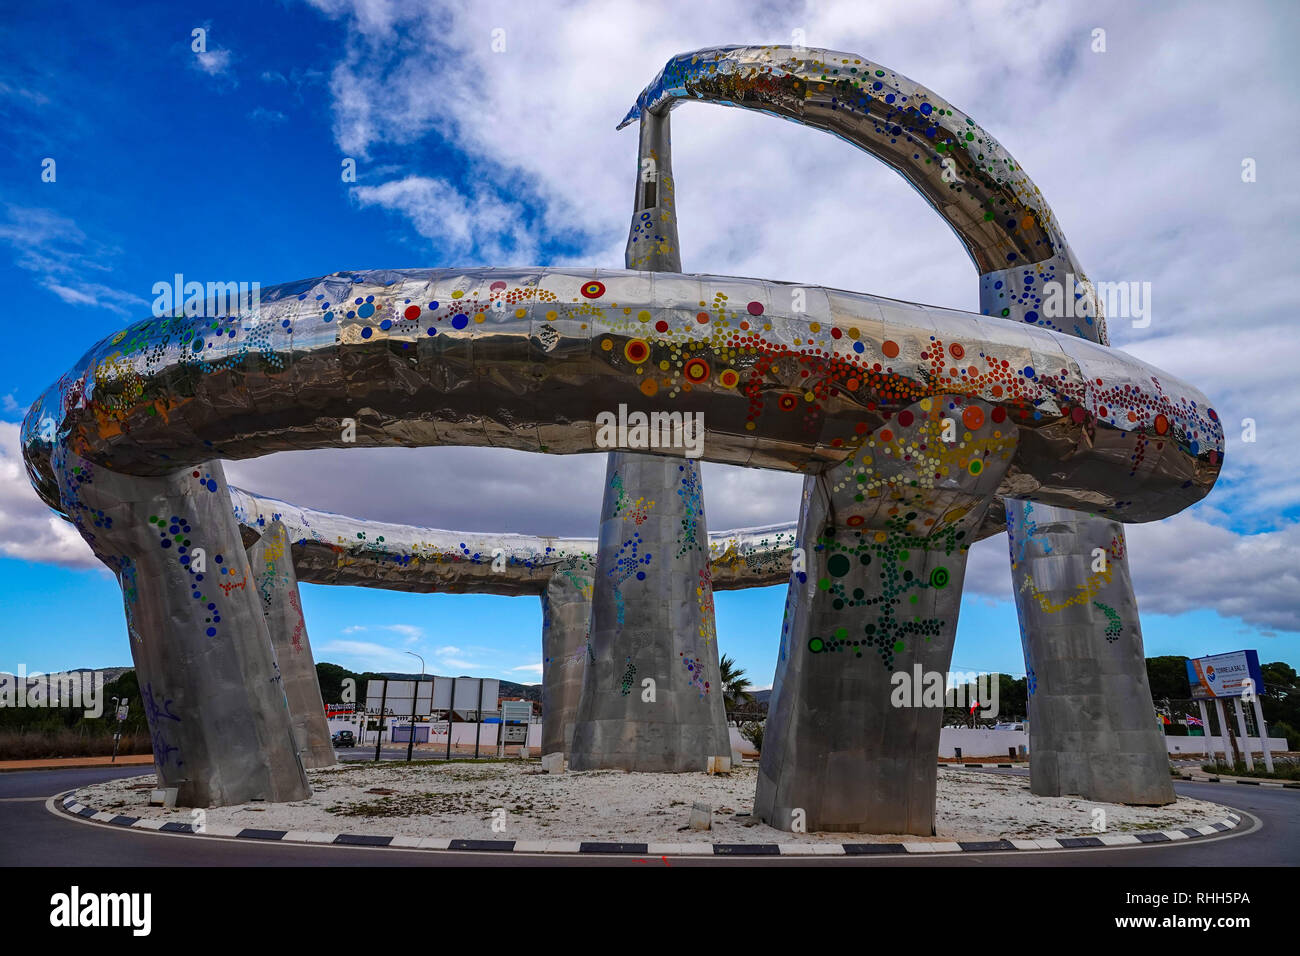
(961, 170)
(792, 378)
(996, 211)
(336, 549)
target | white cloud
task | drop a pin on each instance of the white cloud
(29, 530)
(213, 62)
(530, 668)
(55, 249)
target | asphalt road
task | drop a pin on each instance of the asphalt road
(32, 836)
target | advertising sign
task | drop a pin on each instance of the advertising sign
(1223, 675)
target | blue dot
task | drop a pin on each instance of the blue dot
(432, 330)
(366, 311)
(212, 632)
(857, 347)
(367, 332)
(1029, 371)
(459, 322)
(386, 324)
(433, 305)
(927, 109)
(1031, 316)
(329, 316)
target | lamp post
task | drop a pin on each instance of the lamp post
(410, 740)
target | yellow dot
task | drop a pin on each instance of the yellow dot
(814, 326)
(550, 316)
(520, 313)
(854, 333)
(643, 315)
(459, 293)
(480, 317)
(606, 344)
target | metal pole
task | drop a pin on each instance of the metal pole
(1205, 731)
(410, 740)
(117, 735)
(1263, 734)
(383, 704)
(478, 725)
(1227, 736)
(1241, 731)
(451, 715)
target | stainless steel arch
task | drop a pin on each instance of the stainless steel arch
(1009, 230)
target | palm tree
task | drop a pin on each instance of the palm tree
(735, 684)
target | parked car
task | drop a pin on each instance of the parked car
(345, 738)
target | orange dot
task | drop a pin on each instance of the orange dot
(890, 349)
(972, 417)
(649, 386)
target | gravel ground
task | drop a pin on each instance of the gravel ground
(458, 800)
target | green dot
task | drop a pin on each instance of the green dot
(815, 645)
(898, 645)
(838, 565)
(824, 584)
(841, 633)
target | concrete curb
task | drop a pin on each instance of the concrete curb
(1245, 782)
(67, 802)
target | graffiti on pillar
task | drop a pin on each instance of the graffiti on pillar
(893, 553)
(295, 639)
(704, 601)
(628, 563)
(692, 495)
(629, 676)
(158, 708)
(695, 667)
(1114, 625)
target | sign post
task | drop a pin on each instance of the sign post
(1232, 675)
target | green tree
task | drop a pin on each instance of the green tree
(735, 685)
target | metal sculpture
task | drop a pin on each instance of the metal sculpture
(855, 391)
(1091, 732)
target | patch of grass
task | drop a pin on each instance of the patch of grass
(1282, 770)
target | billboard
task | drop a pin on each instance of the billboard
(434, 693)
(1223, 675)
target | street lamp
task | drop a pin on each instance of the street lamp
(410, 740)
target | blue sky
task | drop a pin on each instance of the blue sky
(225, 166)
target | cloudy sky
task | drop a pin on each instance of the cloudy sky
(483, 134)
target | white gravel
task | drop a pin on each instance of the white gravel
(457, 801)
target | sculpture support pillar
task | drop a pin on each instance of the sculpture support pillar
(852, 737)
(1092, 728)
(657, 627)
(1091, 725)
(566, 615)
(211, 689)
(277, 585)
(652, 612)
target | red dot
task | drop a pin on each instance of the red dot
(755, 308)
(412, 312)
(702, 317)
(890, 349)
(905, 418)
(661, 326)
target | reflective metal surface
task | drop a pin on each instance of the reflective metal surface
(855, 391)
(277, 587)
(329, 548)
(529, 358)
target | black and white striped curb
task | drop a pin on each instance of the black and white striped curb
(982, 766)
(1271, 784)
(69, 804)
